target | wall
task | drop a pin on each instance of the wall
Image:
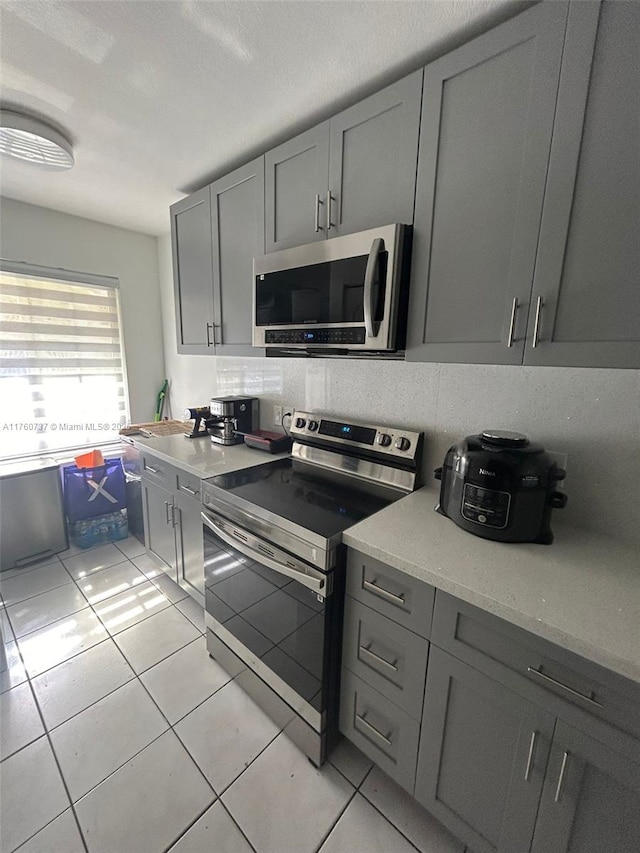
(592, 415)
(38, 235)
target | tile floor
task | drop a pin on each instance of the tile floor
(120, 735)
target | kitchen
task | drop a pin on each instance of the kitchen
(589, 413)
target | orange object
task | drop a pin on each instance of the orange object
(93, 459)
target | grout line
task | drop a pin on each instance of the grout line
(36, 594)
(237, 825)
(188, 827)
(337, 820)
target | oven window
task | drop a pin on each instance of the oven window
(278, 619)
(331, 292)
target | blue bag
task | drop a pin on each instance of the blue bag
(89, 492)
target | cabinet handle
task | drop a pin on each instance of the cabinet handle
(532, 747)
(329, 222)
(209, 326)
(563, 769)
(175, 515)
(188, 491)
(366, 650)
(373, 729)
(149, 468)
(512, 323)
(562, 686)
(316, 226)
(168, 504)
(372, 586)
(536, 328)
(215, 326)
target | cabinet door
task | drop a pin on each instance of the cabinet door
(586, 279)
(295, 173)
(193, 272)
(158, 520)
(373, 153)
(482, 759)
(237, 219)
(487, 118)
(591, 798)
(189, 546)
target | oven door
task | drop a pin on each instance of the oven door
(277, 613)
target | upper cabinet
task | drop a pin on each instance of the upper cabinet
(354, 172)
(215, 234)
(586, 294)
(487, 121)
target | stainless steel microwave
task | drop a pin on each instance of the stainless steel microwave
(343, 294)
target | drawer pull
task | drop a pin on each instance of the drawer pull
(188, 491)
(562, 686)
(366, 650)
(373, 729)
(532, 747)
(153, 470)
(373, 587)
(563, 770)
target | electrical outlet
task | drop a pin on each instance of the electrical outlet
(277, 415)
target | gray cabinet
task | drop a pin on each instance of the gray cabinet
(157, 505)
(586, 296)
(354, 172)
(487, 120)
(189, 546)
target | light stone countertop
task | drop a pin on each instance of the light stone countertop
(200, 456)
(582, 592)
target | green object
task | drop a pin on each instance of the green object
(162, 393)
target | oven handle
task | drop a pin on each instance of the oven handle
(370, 323)
(318, 585)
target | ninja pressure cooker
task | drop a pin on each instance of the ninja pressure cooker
(500, 486)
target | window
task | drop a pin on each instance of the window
(61, 366)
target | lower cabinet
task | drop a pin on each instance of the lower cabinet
(157, 506)
(189, 546)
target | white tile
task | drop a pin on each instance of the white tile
(169, 587)
(60, 836)
(130, 607)
(242, 730)
(148, 565)
(22, 570)
(41, 610)
(281, 802)
(77, 683)
(193, 611)
(107, 582)
(20, 722)
(184, 680)
(362, 829)
(131, 547)
(94, 743)
(350, 761)
(145, 806)
(5, 625)
(15, 673)
(155, 638)
(428, 834)
(32, 793)
(61, 640)
(93, 560)
(214, 831)
(33, 583)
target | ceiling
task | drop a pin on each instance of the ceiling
(161, 96)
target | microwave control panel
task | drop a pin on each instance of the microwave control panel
(311, 337)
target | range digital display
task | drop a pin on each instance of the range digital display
(350, 432)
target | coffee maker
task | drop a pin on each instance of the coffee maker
(231, 417)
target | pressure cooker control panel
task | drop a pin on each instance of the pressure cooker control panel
(488, 507)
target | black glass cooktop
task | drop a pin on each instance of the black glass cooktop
(323, 502)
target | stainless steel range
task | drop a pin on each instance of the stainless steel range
(275, 568)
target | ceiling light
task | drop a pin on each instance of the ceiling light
(32, 141)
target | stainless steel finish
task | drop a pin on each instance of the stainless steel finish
(215, 326)
(536, 328)
(384, 593)
(149, 468)
(336, 248)
(359, 469)
(316, 221)
(209, 326)
(366, 650)
(512, 323)
(575, 693)
(370, 324)
(167, 504)
(361, 718)
(254, 548)
(532, 746)
(563, 770)
(189, 491)
(306, 711)
(175, 515)
(330, 224)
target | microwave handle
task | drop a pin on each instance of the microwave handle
(371, 325)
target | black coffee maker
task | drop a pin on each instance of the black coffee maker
(225, 419)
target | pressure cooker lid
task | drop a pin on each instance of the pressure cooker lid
(504, 438)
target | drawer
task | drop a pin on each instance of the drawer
(405, 599)
(560, 676)
(385, 655)
(157, 470)
(380, 729)
(189, 485)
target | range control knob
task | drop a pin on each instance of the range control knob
(300, 423)
(384, 440)
(403, 443)
(313, 425)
